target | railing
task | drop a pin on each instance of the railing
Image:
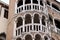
(55, 10)
(29, 7)
(30, 28)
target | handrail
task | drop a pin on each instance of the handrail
(54, 9)
(29, 26)
(28, 7)
(35, 5)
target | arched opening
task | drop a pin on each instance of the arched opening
(48, 2)
(57, 23)
(50, 19)
(2, 36)
(20, 2)
(36, 18)
(56, 7)
(38, 37)
(18, 39)
(41, 2)
(28, 37)
(46, 38)
(27, 19)
(35, 1)
(43, 20)
(19, 22)
(27, 1)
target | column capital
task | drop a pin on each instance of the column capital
(32, 16)
(23, 18)
(40, 17)
(46, 19)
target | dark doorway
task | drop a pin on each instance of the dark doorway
(20, 2)
(46, 38)
(56, 7)
(27, 19)
(18, 39)
(27, 1)
(43, 20)
(19, 21)
(35, 1)
(57, 23)
(38, 37)
(28, 37)
(36, 18)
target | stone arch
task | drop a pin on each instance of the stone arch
(27, 1)
(27, 18)
(19, 3)
(38, 37)
(35, 1)
(41, 2)
(19, 21)
(36, 18)
(28, 37)
(18, 38)
(45, 38)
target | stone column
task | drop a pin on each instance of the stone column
(14, 30)
(32, 23)
(39, 4)
(23, 4)
(43, 38)
(16, 6)
(2, 12)
(41, 23)
(23, 23)
(31, 4)
(46, 22)
(0, 9)
(33, 38)
(54, 25)
(45, 7)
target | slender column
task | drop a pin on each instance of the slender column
(39, 4)
(54, 25)
(41, 22)
(23, 4)
(2, 12)
(44, 3)
(23, 23)
(0, 9)
(14, 31)
(32, 23)
(53, 22)
(45, 7)
(43, 38)
(16, 7)
(33, 38)
(31, 4)
(46, 25)
(51, 5)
